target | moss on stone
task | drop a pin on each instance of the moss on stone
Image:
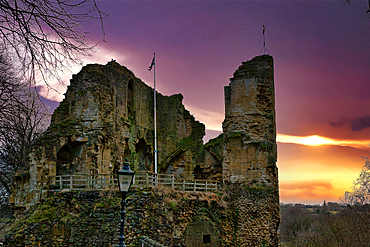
(215, 142)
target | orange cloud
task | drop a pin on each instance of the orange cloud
(312, 174)
(310, 191)
(307, 185)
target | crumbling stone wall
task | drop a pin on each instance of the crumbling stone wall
(256, 213)
(169, 217)
(209, 161)
(249, 146)
(250, 153)
(106, 117)
(93, 218)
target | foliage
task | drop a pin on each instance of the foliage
(215, 142)
(360, 191)
(6, 210)
(347, 226)
(335, 225)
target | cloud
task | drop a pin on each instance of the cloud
(307, 185)
(356, 124)
(360, 123)
(340, 123)
(55, 89)
(310, 191)
(212, 120)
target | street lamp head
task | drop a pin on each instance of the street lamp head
(125, 177)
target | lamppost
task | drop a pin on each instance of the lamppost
(125, 177)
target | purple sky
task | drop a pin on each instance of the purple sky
(321, 53)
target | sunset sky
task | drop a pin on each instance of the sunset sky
(321, 53)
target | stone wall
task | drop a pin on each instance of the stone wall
(169, 217)
(209, 161)
(249, 145)
(106, 117)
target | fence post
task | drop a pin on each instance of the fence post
(147, 178)
(195, 185)
(156, 179)
(206, 186)
(70, 182)
(173, 181)
(60, 183)
(183, 184)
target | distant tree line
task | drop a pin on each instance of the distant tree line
(331, 224)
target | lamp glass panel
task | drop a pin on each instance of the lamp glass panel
(125, 182)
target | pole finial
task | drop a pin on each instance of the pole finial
(264, 49)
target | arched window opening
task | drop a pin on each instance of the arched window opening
(145, 155)
(66, 158)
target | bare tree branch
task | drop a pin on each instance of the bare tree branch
(23, 119)
(360, 191)
(46, 36)
(368, 6)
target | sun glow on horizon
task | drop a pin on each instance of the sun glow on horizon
(316, 140)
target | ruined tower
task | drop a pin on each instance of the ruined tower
(250, 154)
(249, 145)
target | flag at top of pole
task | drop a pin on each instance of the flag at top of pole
(152, 64)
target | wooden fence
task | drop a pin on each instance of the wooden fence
(105, 181)
(82, 182)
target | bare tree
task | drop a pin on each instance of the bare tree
(358, 204)
(23, 119)
(45, 37)
(360, 191)
(18, 132)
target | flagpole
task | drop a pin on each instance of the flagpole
(155, 124)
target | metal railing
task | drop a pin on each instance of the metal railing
(109, 181)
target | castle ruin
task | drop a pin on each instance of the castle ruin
(107, 116)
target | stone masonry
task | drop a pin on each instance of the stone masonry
(249, 144)
(107, 116)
